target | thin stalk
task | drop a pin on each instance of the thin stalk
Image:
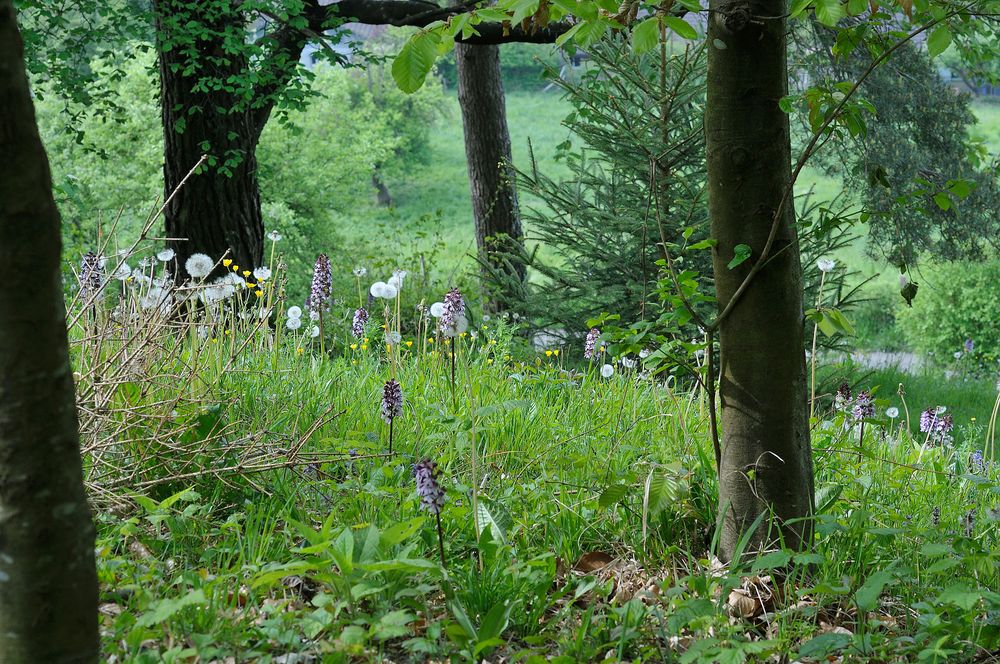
(812, 388)
(440, 539)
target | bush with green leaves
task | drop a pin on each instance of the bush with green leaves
(955, 302)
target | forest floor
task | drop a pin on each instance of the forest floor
(253, 505)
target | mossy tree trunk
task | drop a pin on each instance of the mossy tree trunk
(766, 463)
(48, 580)
(488, 155)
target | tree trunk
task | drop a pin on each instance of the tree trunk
(487, 150)
(766, 456)
(218, 209)
(48, 580)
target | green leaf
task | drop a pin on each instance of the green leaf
(939, 41)
(415, 60)
(829, 12)
(741, 252)
(167, 608)
(942, 200)
(681, 27)
(772, 560)
(486, 519)
(799, 6)
(824, 645)
(398, 532)
(646, 35)
(611, 495)
(867, 595)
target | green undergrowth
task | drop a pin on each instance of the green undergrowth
(590, 537)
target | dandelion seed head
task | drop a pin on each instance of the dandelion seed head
(165, 255)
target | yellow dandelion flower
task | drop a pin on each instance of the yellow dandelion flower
(364, 346)
(556, 352)
(299, 350)
(463, 334)
(489, 360)
(236, 268)
(246, 273)
(409, 343)
(259, 293)
(227, 262)
(354, 346)
(354, 362)
(430, 340)
(548, 353)
(365, 340)
(229, 331)
(493, 342)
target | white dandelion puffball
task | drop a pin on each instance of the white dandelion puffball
(392, 337)
(437, 309)
(262, 273)
(122, 272)
(461, 324)
(826, 264)
(293, 323)
(378, 289)
(390, 292)
(892, 412)
(156, 298)
(396, 282)
(166, 255)
(142, 279)
(607, 371)
(314, 331)
(199, 265)
(360, 271)
(958, 355)
(145, 262)
(235, 279)
(294, 312)
(274, 236)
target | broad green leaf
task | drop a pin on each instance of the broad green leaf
(867, 595)
(612, 494)
(681, 27)
(646, 35)
(939, 41)
(398, 532)
(167, 608)
(829, 12)
(486, 519)
(942, 200)
(741, 252)
(415, 60)
(772, 560)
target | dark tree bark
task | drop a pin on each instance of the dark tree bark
(488, 154)
(48, 580)
(766, 459)
(218, 209)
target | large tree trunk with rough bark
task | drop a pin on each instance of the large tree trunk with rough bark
(48, 581)
(218, 208)
(766, 463)
(488, 154)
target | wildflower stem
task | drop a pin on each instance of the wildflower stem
(440, 539)
(391, 420)
(322, 335)
(812, 357)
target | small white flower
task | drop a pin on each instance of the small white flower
(274, 236)
(892, 412)
(958, 355)
(486, 318)
(293, 323)
(166, 255)
(198, 265)
(378, 289)
(644, 353)
(360, 271)
(607, 371)
(262, 273)
(314, 331)
(122, 272)
(437, 309)
(390, 292)
(294, 312)
(628, 363)
(826, 264)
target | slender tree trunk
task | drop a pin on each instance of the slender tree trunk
(48, 580)
(218, 209)
(488, 154)
(766, 457)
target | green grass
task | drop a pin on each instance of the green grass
(248, 508)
